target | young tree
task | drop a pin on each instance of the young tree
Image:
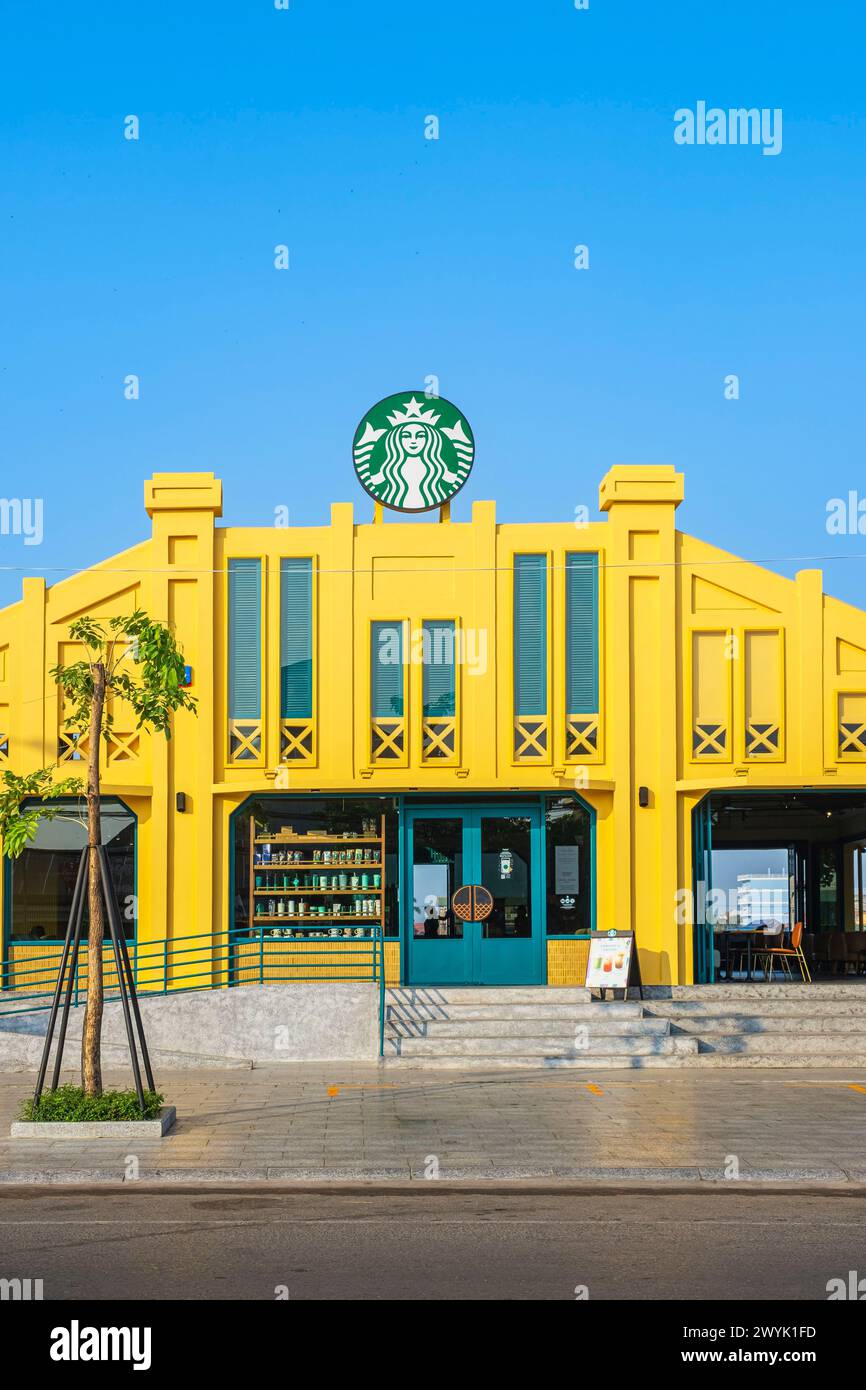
(135, 659)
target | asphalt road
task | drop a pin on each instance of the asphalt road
(434, 1244)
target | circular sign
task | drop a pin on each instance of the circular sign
(413, 452)
(472, 903)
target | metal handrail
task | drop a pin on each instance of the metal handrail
(184, 964)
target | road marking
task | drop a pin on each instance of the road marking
(854, 1087)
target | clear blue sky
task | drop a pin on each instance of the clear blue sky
(412, 257)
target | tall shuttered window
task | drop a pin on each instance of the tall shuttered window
(245, 660)
(581, 633)
(387, 670)
(530, 634)
(388, 742)
(439, 694)
(581, 658)
(438, 674)
(296, 639)
(530, 657)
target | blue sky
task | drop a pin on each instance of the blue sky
(412, 257)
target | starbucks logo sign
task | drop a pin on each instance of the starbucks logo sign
(413, 453)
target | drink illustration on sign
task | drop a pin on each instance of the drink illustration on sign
(413, 454)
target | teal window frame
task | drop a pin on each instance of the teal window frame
(530, 683)
(383, 692)
(245, 639)
(581, 633)
(296, 638)
(439, 678)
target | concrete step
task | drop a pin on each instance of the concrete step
(757, 989)
(791, 1027)
(488, 994)
(852, 1061)
(792, 1046)
(528, 1028)
(540, 1047)
(565, 1013)
(808, 1007)
(851, 1065)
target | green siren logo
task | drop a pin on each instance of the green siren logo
(412, 452)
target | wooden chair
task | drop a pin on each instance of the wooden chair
(785, 953)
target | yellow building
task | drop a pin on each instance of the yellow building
(598, 724)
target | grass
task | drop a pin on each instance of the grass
(70, 1103)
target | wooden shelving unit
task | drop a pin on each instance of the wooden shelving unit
(296, 883)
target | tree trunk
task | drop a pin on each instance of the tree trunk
(91, 1059)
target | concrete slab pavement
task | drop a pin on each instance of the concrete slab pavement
(339, 1122)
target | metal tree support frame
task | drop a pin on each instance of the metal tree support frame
(69, 970)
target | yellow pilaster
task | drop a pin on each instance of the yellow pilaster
(810, 612)
(182, 852)
(642, 707)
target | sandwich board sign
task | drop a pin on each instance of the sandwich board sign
(612, 962)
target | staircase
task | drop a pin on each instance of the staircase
(745, 1025)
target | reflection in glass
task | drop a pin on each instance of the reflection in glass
(437, 873)
(751, 888)
(506, 856)
(569, 867)
(43, 878)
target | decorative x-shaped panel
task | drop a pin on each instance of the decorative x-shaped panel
(852, 738)
(122, 747)
(581, 736)
(388, 740)
(297, 740)
(761, 739)
(72, 747)
(530, 737)
(438, 740)
(245, 740)
(709, 740)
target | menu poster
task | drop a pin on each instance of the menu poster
(566, 869)
(608, 965)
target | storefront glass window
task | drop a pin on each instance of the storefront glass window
(43, 878)
(828, 886)
(316, 816)
(569, 868)
(437, 872)
(506, 859)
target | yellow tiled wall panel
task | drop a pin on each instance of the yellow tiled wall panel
(566, 962)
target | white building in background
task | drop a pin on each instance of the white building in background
(763, 899)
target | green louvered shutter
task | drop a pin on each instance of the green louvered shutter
(245, 639)
(386, 670)
(581, 634)
(530, 634)
(439, 670)
(296, 639)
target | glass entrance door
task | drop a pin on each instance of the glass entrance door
(499, 848)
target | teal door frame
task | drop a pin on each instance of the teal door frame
(703, 943)
(474, 959)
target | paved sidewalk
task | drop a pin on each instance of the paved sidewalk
(331, 1122)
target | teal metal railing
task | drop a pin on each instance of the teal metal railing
(209, 960)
